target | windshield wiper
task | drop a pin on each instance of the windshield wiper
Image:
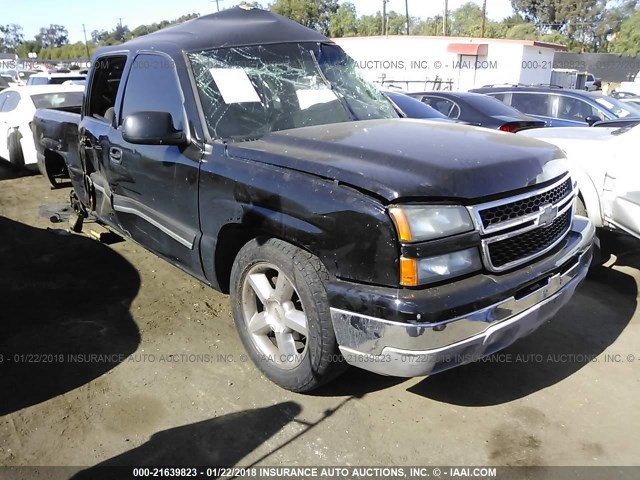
(341, 99)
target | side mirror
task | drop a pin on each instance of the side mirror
(591, 119)
(152, 128)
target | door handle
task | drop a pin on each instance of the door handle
(115, 155)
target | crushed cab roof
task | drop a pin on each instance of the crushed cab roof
(234, 27)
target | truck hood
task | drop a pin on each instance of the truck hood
(405, 158)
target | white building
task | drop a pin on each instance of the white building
(417, 63)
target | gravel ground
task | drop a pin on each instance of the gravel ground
(113, 356)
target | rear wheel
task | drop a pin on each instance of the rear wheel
(281, 311)
(16, 157)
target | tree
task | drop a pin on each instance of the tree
(465, 21)
(428, 26)
(539, 12)
(397, 23)
(27, 47)
(555, 37)
(314, 14)
(587, 25)
(579, 17)
(523, 31)
(628, 40)
(369, 25)
(120, 33)
(344, 23)
(53, 36)
(10, 37)
(99, 36)
(611, 23)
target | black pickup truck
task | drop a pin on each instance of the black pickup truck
(247, 150)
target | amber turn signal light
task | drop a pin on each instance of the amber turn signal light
(408, 272)
(402, 224)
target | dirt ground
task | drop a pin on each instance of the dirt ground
(112, 356)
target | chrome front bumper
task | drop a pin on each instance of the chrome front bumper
(417, 349)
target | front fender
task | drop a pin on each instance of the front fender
(590, 195)
(349, 231)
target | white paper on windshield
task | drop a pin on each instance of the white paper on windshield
(604, 103)
(311, 97)
(234, 85)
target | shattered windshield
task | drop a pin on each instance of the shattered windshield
(248, 92)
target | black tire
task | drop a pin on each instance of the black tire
(16, 157)
(320, 361)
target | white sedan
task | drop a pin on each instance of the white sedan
(605, 165)
(17, 107)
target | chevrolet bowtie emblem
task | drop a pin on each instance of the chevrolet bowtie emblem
(548, 214)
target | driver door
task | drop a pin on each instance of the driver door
(154, 188)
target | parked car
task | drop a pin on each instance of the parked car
(592, 83)
(631, 87)
(47, 78)
(17, 107)
(620, 122)
(477, 109)
(19, 77)
(8, 80)
(620, 94)
(633, 100)
(559, 107)
(4, 83)
(607, 171)
(343, 233)
(408, 107)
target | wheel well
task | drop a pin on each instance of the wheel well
(52, 156)
(581, 198)
(231, 239)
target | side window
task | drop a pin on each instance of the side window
(153, 86)
(531, 103)
(103, 89)
(499, 96)
(443, 105)
(11, 102)
(575, 109)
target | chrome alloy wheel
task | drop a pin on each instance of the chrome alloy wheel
(275, 316)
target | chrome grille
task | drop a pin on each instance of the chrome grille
(518, 229)
(528, 244)
(519, 208)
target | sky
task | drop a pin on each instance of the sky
(105, 14)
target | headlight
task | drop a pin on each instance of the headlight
(417, 223)
(414, 272)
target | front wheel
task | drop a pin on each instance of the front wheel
(281, 311)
